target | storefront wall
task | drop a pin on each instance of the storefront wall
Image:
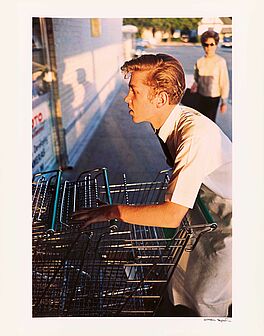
(43, 153)
(89, 53)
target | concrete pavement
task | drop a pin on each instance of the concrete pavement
(124, 147)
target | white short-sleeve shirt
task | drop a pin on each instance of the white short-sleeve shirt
(202, 154)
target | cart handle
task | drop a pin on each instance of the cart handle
(209, 218)
(58, 183)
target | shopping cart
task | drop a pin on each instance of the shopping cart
(111, 268)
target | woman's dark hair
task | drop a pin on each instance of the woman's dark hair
(164, 73)
(210, 33)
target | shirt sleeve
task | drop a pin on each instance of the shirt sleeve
(224, 81)
(187, 176)
(193, 162)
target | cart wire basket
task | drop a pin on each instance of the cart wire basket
(108, 269)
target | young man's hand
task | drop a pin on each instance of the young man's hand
(93, 215)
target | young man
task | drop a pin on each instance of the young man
(200, 155)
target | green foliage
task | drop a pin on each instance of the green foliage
(163, 24)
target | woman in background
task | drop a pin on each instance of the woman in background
(211, 79)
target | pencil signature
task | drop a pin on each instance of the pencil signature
(225, 319)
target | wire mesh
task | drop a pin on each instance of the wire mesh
(45, 198)
(111, 268)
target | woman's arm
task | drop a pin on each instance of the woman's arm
(224, 86)
(194, 87)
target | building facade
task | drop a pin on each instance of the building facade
(222, 25)
(75, 75)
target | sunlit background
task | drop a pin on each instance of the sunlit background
(76, 73)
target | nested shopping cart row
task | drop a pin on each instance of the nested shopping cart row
(111, 268)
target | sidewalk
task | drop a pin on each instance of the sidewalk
(124, 147)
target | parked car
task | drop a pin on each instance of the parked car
(140, 46)
(185, 38)
(142, 43)
(227, 42)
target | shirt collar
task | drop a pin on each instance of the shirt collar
(169, 124)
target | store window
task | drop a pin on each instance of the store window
(39, 68)
(43, 157)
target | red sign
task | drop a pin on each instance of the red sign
(43, 157)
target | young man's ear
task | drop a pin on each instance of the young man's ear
(162, 99)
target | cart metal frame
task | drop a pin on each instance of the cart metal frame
(111, 268)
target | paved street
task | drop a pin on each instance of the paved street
(188, 55)
(125, 147)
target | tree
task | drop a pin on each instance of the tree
(168, 25)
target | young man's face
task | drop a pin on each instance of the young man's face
(139, 104)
